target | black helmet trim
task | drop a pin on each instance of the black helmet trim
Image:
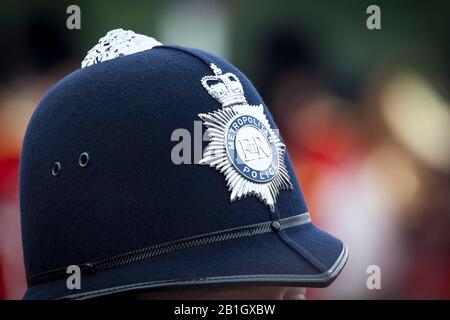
(312, 280)
(175, 245)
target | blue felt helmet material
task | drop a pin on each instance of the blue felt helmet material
(126, 194)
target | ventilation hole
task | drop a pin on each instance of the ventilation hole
(83, 159)
(56, 168)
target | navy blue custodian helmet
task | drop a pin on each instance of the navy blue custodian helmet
(99, 189)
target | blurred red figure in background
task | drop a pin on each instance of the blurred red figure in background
(361, 176)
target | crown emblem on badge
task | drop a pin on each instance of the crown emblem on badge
(225, 88)
(243, 147)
